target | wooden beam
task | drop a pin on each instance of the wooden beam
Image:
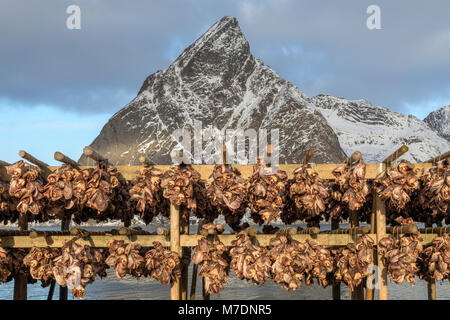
(336, 287)
(437, 230)
(186, 260)
(404, 229)
(439, 158)
(21, 282)
(4, 163)
(356, 156)
(65, 225)
(145, 161)
(33, 160)
(175, 246)
(324, 170)
(94, 155)
(308, 156)
(65, 159)
(370, 288)
(381, 233)
(431, 286)
(101, 240)
(397, 154)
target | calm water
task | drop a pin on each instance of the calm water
(146, 288)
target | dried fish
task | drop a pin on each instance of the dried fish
(249, 261)
(267, 193)
(214, 260)
(401, 257)
(162, 264)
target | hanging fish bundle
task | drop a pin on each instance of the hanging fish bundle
(267, 193)
(162, 264)
(126, 259)
(320, 263)
(436, 260)
(434, 196)
(106, 194)
(349, 191)
(63, 198)
(146, 194)
(8, 205)
(227, 192)
(26, 186)
(396, 185)
(402, 257)
(296, 262)
(205, 209)
(249, 261)
(308, 193)
(214, 260)
(40, 263)
(352, 262)
(77, 266)
(5, 265)
(288, 261)
(178, 186)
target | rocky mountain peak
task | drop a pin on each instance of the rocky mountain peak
(218, 82)
(440, 121)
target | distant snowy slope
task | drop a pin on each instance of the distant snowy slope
(377, 131)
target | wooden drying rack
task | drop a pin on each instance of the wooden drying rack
(181, 243)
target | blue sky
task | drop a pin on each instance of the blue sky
(58, 87)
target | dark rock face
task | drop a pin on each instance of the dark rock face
(440, 121)
(217, 81)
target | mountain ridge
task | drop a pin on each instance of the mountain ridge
(217, 81)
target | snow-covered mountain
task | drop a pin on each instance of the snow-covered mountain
(378, 131)
(217, 81)
(440, 120)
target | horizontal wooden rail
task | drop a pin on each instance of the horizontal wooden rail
(100, 241)
(439, 157)
(205, 170)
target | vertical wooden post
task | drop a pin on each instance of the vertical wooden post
(195, 268)
(175, 290)
(205, 295)
(432, 289)
(358, 292)
(381, 233)
(20, 282)
(370, 292)
(186, 262)
(336, 287)
(63, 291)
(431, 285)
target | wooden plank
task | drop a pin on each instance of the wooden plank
(324, 170)
(395, 155)
(100, 241)
(59, 156)
(21, 282)
(187, 260)
(175, 246)
(33, 160)
(370, 288)
(63, 291)
(439, 157)
(381, 233)
(431, 286)
(336, 287)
